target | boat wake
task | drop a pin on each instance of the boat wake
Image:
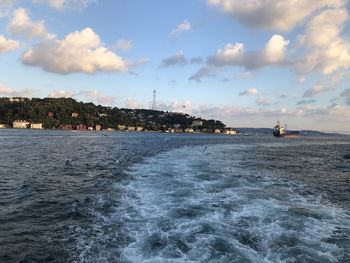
(195, 205)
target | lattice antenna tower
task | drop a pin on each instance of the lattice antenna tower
(154, 104)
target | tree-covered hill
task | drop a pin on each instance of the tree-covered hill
(55, 112)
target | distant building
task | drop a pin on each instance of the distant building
(230, 132)
(36, 126)
(75, 115)
(139, 128)
(103, 115)
(121, 127)
(131, 128)
(98, 127)
(90, 128)
(189, 130)
(217, 131)
(110, 129)
(14, 99)
(2, 126)
(20, 124)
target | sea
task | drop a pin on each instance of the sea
(161, 197)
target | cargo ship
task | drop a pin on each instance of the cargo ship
(280, 131)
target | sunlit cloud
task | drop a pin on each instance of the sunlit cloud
(22, 25)
(251, 91)
(80, 51)
(180, 29)
(273, 14)
(235, 55)
(9, 92)
(8, 44)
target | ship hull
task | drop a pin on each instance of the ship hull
(289, 134)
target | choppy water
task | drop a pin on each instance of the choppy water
(138, 197)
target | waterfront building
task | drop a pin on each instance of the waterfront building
(36, 126)
(20, 124)
(2, 126)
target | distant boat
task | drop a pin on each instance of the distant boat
(280, 131)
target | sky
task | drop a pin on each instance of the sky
(247, 63)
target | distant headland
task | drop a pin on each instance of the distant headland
(69, 114)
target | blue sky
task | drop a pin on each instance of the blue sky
(248, 63)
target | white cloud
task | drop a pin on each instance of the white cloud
(328, 51)
(96, 96)
(7, 44)
(8, 92)
(22, 25)
(124, 44)
(326, 84)
(251, 91)
(61, 94)
(273, 14)
(183, 27)
(316, 89)
(63, 4)
(80, 51)
(235, 55)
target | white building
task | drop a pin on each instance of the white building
(20, 124)
(231, 132)
(36, 126)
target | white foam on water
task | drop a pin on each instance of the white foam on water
(190, 206)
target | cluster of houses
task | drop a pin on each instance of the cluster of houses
(176, 128)
(23, 124)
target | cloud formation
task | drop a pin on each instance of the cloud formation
(8, 92)
(124, 44)
(177, 59)
(87, 95)
(7, 44)
(251, 91)
(235, 55)
(278, 15)
(80, 51)
(98, 97)
(183, 27)
(22, 25)
(63, 4)
(327, 52)
(61, 94)
(316, 89)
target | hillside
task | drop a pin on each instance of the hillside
(55, 113)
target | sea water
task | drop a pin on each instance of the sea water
(152, 197)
